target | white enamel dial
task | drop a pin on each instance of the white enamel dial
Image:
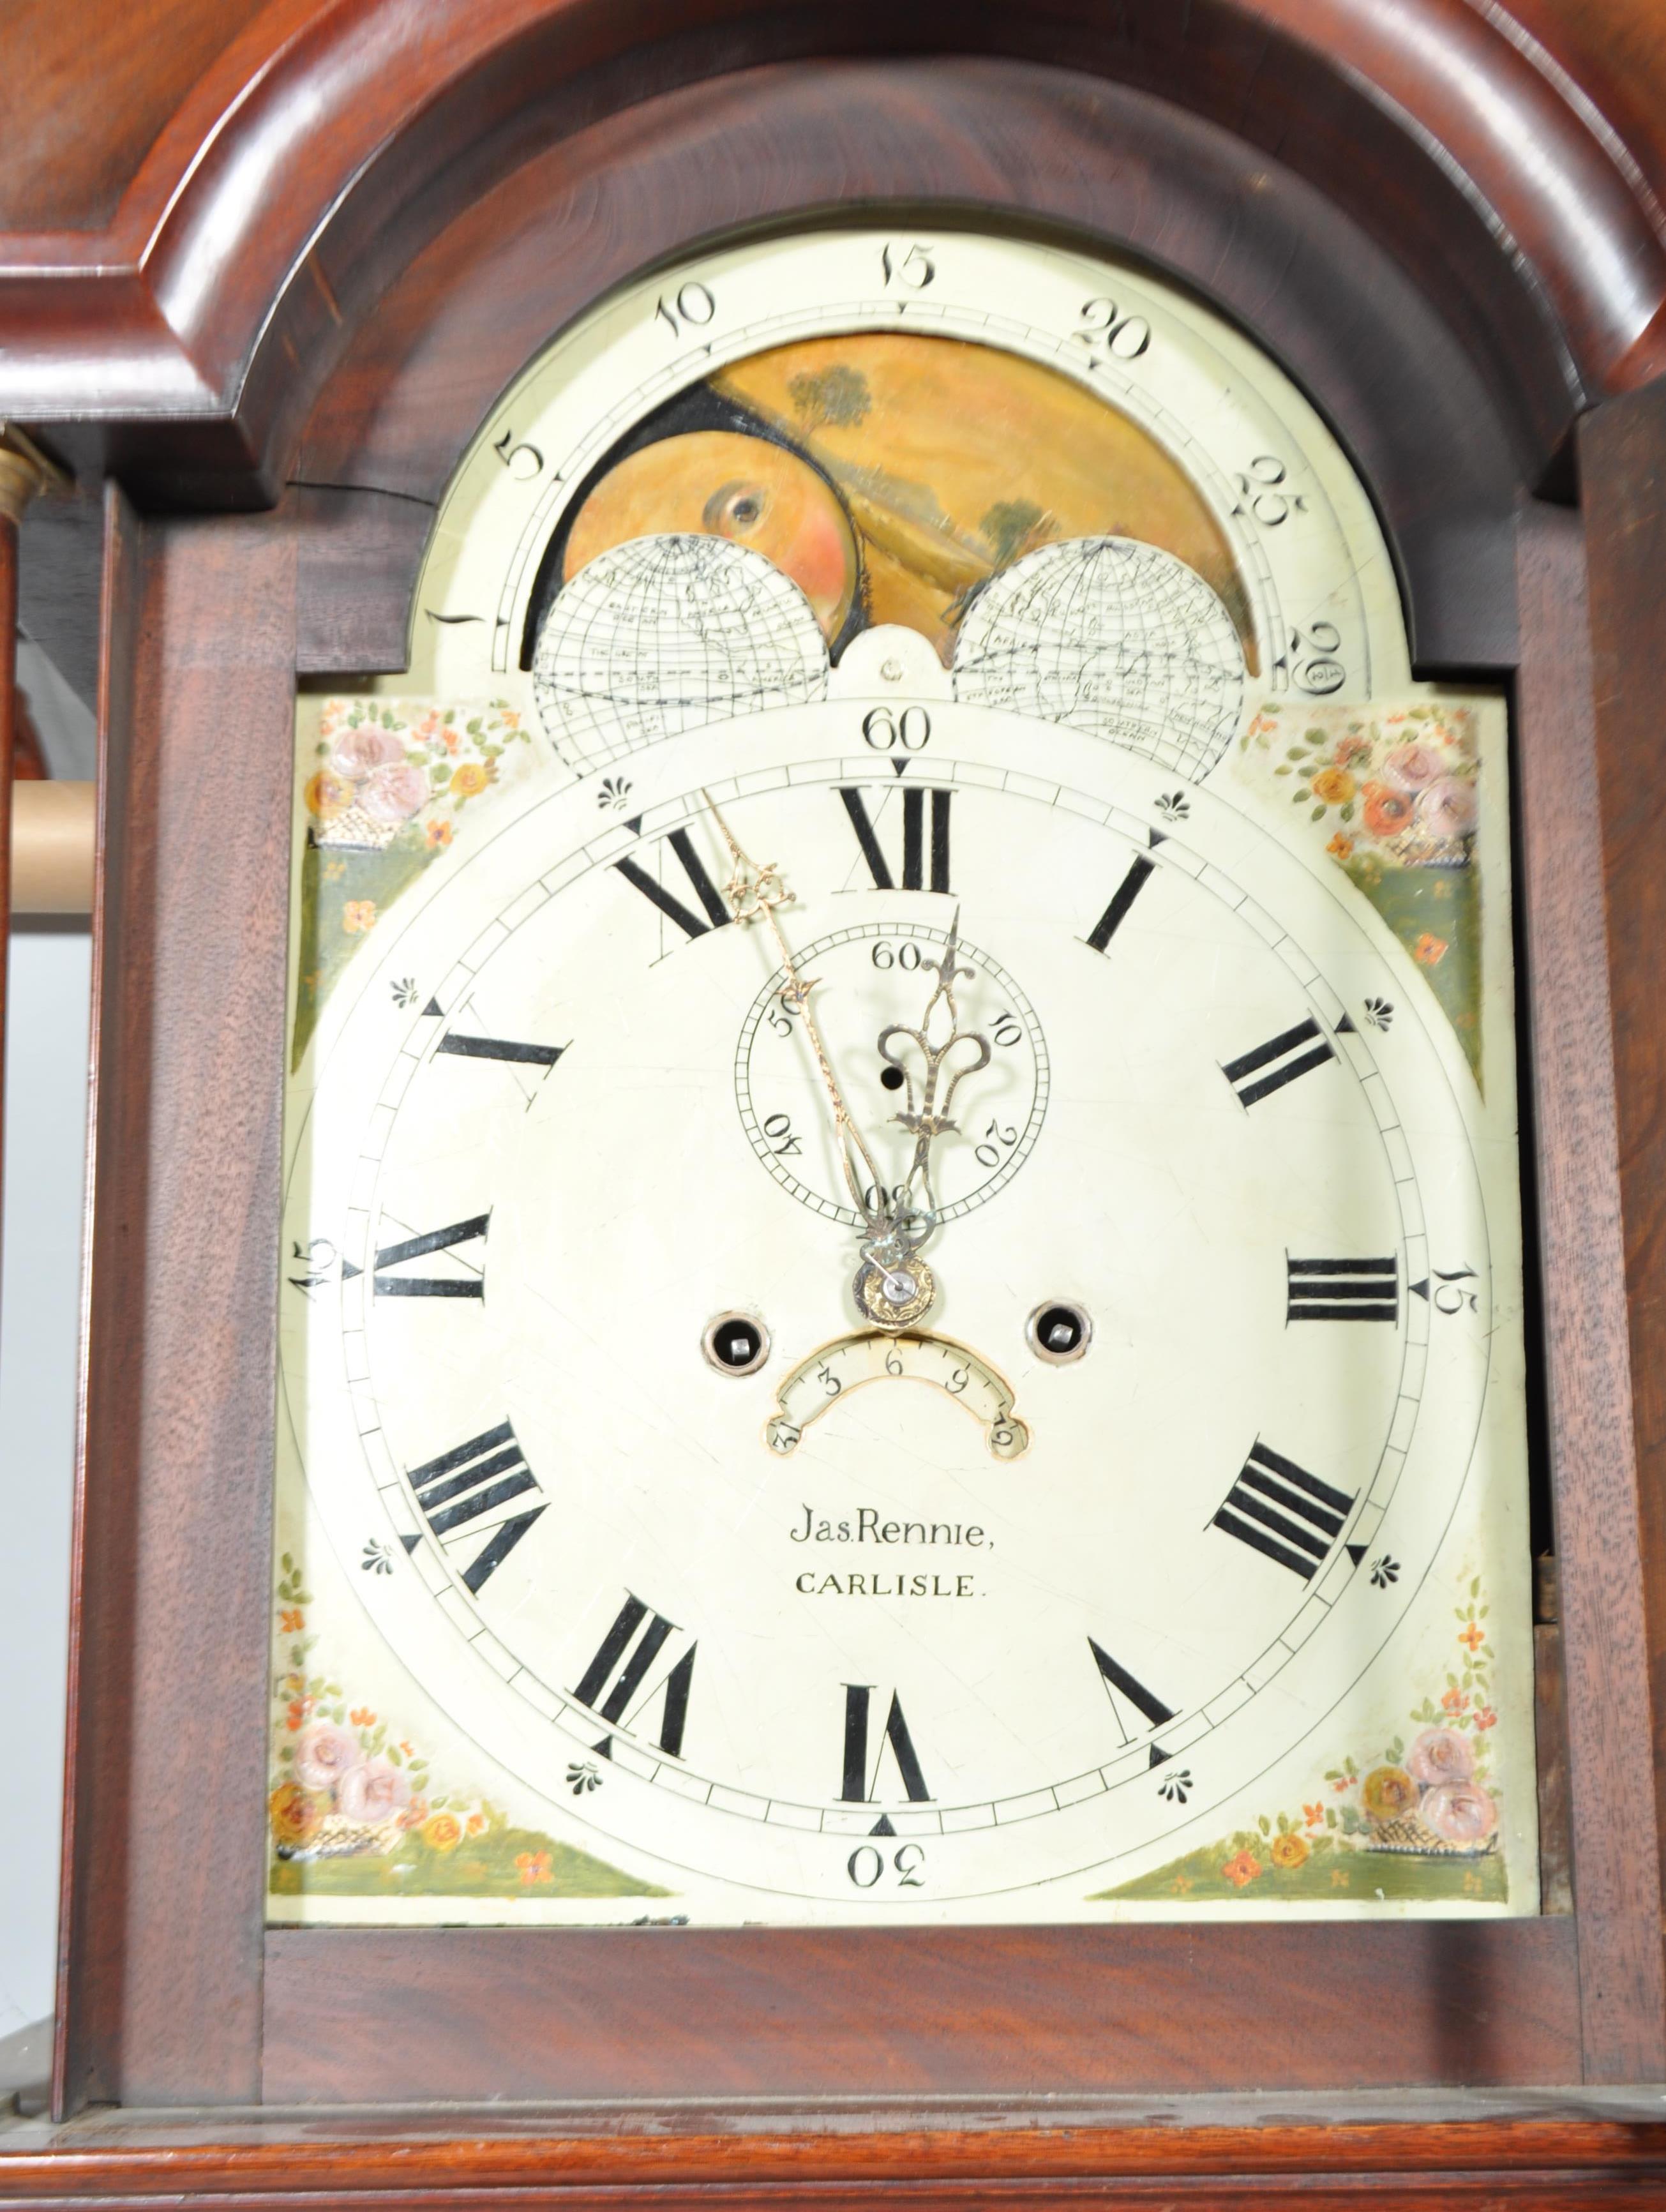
(978, 1615)
(1221, 1117)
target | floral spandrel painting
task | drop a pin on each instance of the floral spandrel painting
(356, 1810)
(1394, 797)
(384, 781)
(1417, 1817)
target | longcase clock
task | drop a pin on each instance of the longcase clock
(869, 1301)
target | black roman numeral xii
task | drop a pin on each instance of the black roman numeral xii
(915, 853)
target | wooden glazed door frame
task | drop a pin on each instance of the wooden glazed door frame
(172, 1995)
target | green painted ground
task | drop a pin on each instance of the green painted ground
(1442, 905)
(1327, 1876)
(500, 1863)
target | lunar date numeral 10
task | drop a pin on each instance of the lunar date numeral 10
(691, 307)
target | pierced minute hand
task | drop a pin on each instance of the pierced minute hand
(930, 1118)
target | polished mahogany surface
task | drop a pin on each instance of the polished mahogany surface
(317, 152)
(952, 2155)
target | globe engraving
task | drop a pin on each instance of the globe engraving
(664, 634)
(1111, 636)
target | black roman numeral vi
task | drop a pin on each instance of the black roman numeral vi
(859, 1785)
(618, 1672)
(1342, 1290)
(462, 1493)
(1281, 1511)
(1257, 1075)
(914, 852)
(471, 1284)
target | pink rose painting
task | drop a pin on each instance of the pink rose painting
(393, 794)
(325, 1754)
(1447, 810)
(1441, 1755)
(358, 753)
(1413, 767)
(373, 1792)
(1459, 1812)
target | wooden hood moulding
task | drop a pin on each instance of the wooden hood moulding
(315, 154)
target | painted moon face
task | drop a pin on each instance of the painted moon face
(719, 483)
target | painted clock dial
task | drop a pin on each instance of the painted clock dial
(902, 1284)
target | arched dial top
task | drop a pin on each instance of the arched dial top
(878, 355)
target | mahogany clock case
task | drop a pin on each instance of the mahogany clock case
(526, 194)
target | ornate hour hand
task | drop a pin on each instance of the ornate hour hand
(754, 893)
(942, 1060)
